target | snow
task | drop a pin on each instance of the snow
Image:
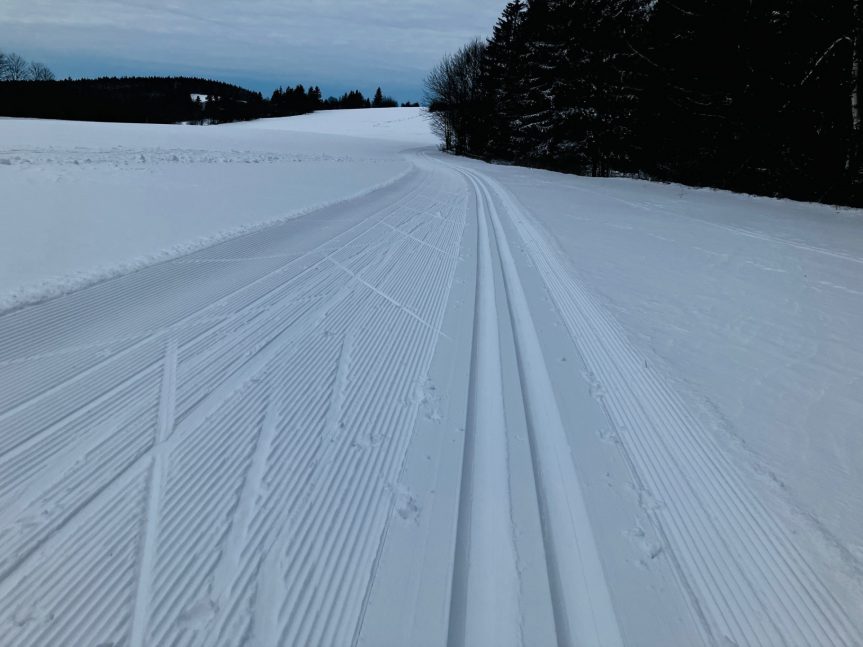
(408, 125)
(753, 305)
(98, 200)
(461, 404)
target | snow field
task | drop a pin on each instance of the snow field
(407, 125)
(751, 310)
(101, 200)
(469, 405)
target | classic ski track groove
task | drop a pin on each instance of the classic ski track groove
(752, 584)
(485, 599)
(253, 407)
(581, 603)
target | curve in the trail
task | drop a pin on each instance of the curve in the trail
(747, 577)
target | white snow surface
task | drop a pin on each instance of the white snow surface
(409, 125)
(98, 200)
(461, 404)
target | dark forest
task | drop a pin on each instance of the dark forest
(760, 97)
(164, 100)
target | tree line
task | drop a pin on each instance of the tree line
(761, 97)
(132, 99)
(30, 90)
(298, 100)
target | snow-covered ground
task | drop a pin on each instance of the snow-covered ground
(407, 125)
(98, 200)
(477, 405)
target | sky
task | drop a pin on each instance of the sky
(261, 44)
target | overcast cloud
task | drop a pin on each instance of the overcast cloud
(338, 44)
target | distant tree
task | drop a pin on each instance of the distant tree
(352, 100)
(14, 68)
(199, 111)
(382, 101)
(213, 109)
(39, 72)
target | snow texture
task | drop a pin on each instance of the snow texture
(459, 405)
(100, 200)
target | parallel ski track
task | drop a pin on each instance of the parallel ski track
(746, 576)
(581, 604)
(232, 490)
(485, 605)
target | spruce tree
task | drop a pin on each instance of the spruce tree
(503, 78)
(529, 136)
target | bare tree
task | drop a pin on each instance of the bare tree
(39, 72)
(14, 68)
(452, 91)
(439, 97)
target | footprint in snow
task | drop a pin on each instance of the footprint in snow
(649, 548)
(406, 505)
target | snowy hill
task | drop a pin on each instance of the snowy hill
(407, 125)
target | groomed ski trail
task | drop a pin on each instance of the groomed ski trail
(747, 579)
(346, 429)
(208, 448)
(581, 605)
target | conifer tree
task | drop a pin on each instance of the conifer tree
(502, 79)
